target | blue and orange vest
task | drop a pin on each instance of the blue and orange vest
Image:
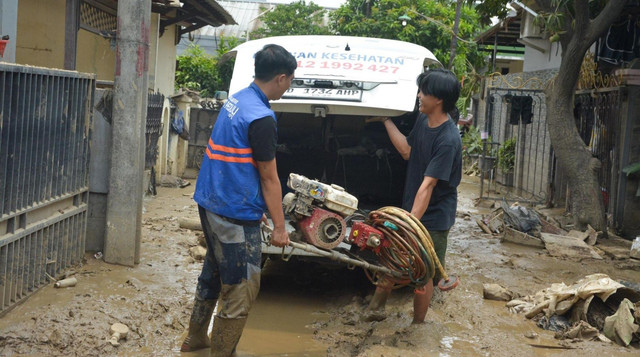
(229, 183)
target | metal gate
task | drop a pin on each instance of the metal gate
(153, 128)
(202, 120)
(45, 120)
(598, 119)
(504, 119)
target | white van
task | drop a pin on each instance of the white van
(339, 82)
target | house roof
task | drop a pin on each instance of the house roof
(189, 14)
(247, 15)
(505, 33)
(193, 14)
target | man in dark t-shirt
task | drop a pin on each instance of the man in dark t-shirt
(434, 151)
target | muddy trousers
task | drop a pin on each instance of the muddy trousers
(231, 275)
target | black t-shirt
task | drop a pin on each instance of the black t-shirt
(435, 152)
(263, 138)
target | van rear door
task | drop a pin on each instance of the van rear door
(345, 75)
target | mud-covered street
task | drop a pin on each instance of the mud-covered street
(303, 309)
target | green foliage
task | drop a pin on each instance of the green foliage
(431, 26)
(507, 155)
(199, 71)
(472, 142)
(632, 169)
(225, 69)
(298, 18)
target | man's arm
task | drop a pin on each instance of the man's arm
(272, 192)
(423, 196)
(398, 139)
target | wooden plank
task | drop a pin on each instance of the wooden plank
(514, 236)
(566, 246)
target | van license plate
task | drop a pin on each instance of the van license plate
(353, 95)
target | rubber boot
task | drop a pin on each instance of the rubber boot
(198, 324)
(225, 336)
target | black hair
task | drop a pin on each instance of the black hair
(273, 60)
(442, 84)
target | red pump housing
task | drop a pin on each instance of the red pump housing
(367, 237)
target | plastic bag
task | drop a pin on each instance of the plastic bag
(179, 126)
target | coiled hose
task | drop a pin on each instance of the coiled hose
(411, 252)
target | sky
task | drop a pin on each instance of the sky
(323, 3)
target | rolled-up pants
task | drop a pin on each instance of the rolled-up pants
(231, 269)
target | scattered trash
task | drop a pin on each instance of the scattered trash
(118, 331)
(64, 283)
(619, 327)
(520, 218)
(567, 246)
(173, 181)
(581, 330)
(554, 323)
(514, 236)
(496, 292)
(585, 308)
(98, 255)
(190, 223)
(635, 248)
(198, 252)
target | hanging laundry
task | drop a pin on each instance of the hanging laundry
(619, 45)
(521, 110)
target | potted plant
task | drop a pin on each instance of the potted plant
(507, 161)
(472, 151)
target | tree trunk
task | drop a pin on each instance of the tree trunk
(573, 155)
(454, 37)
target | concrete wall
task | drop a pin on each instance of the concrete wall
(97, 55)
(40, 40)
(537, 60)
(165, 64)
(40, 37)
(510, 64)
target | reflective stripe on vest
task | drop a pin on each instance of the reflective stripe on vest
(225, 153)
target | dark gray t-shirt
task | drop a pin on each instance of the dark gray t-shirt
(435, 152)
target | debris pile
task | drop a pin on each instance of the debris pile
(593, 307)
(521, 225)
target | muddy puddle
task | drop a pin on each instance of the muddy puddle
(303, 309)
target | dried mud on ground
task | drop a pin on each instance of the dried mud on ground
(304, 309)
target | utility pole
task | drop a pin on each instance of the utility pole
(454, 37)
(124, 201)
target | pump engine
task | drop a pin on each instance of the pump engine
(318, 210)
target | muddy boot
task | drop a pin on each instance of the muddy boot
(225, 336)
(198, 324)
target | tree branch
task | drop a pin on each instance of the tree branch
(602, 22)
(581, 7)
(545, 5)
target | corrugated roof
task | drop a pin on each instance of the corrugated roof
(245, 13)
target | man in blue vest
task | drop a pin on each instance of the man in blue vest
(238, 180)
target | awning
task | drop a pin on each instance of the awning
(99, 16)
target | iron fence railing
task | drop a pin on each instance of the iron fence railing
(45, 120)
(153, 128)
(520, 114)
(598, 119)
